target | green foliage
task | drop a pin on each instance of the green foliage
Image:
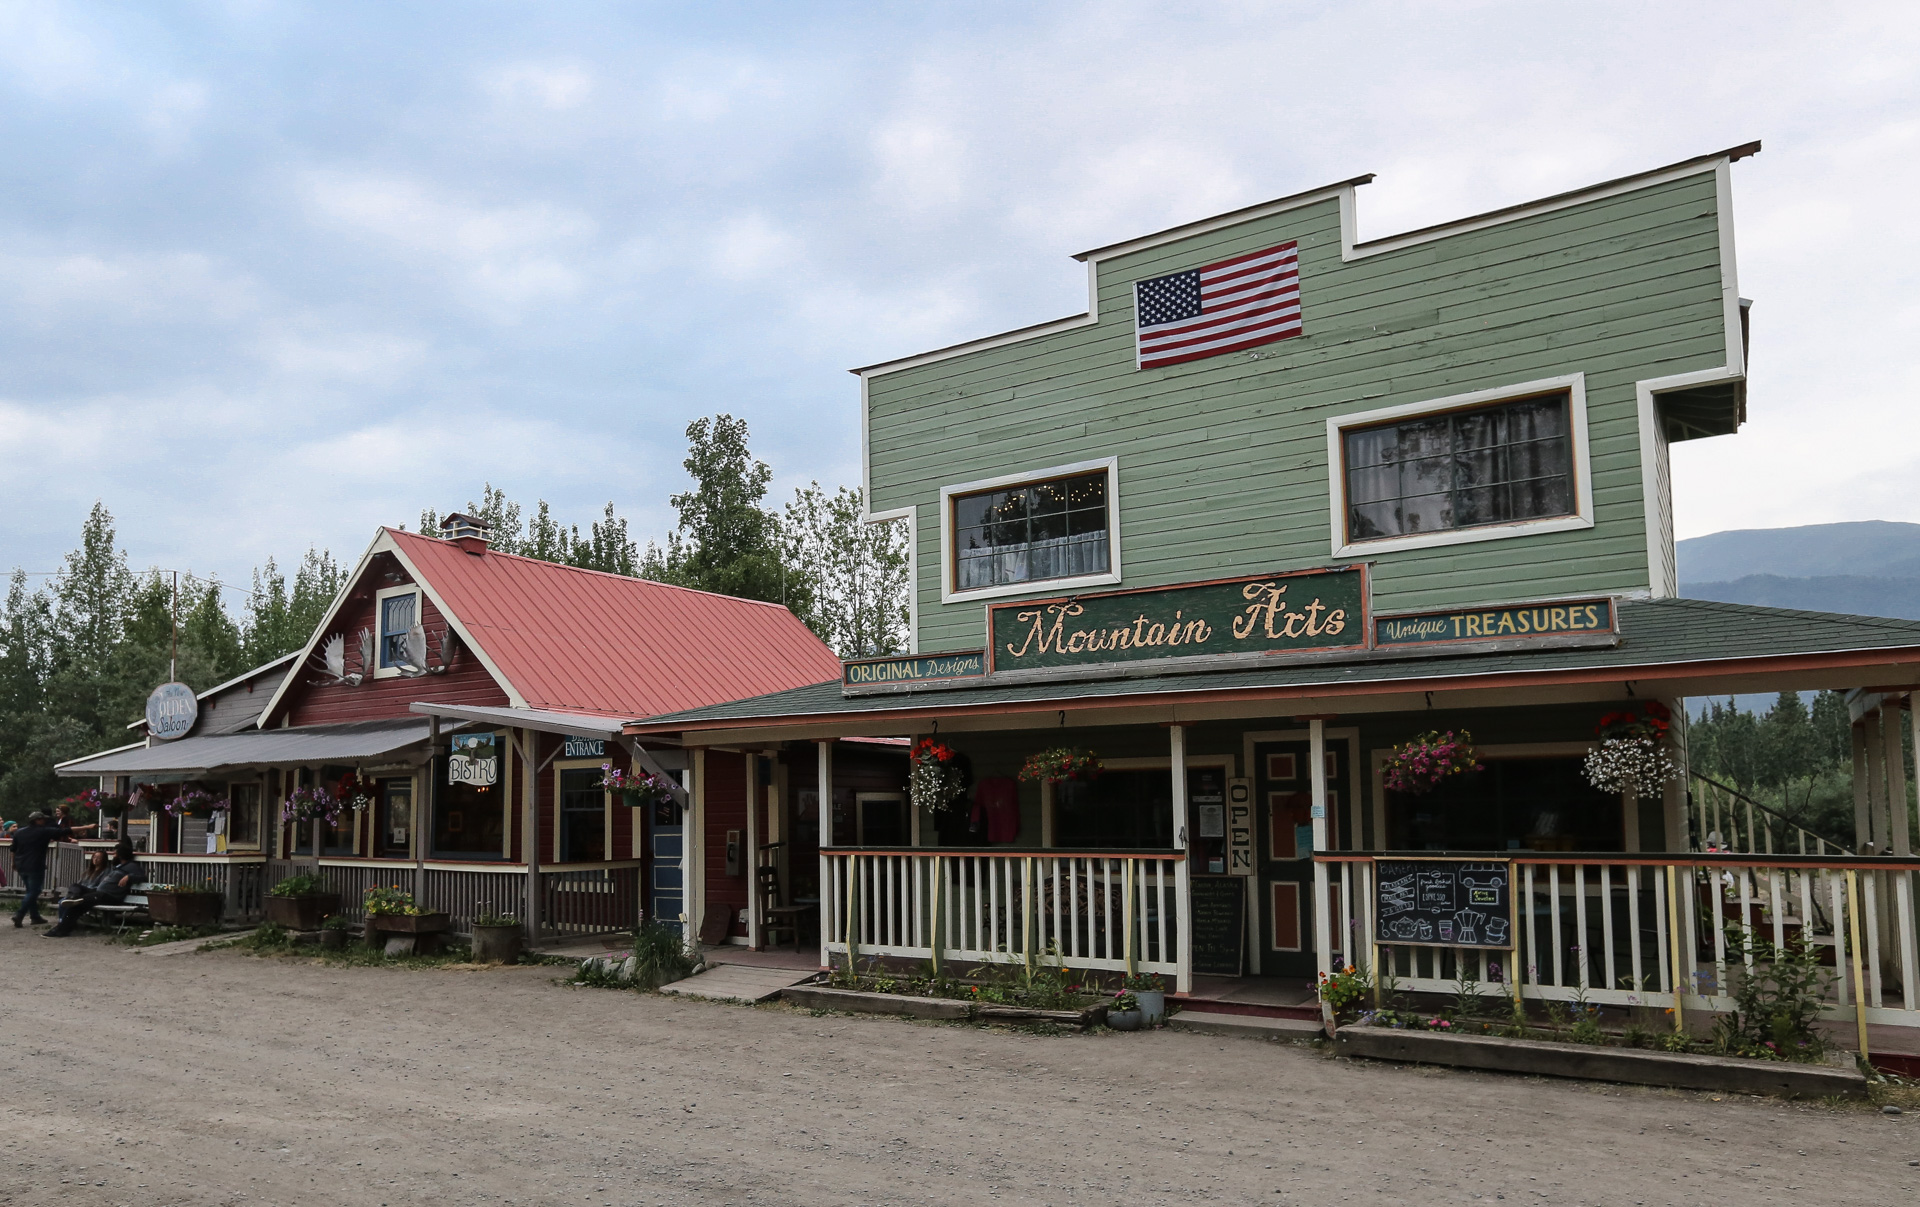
(660, 955)
(269, 936)
(1795, 760)
(606, 545)
(727, 542)
(1776, 1001)
(1344, 988)
(303, 885)
(389, 901)
(855, 570)
(337, 922)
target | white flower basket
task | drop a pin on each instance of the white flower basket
(1637, 765)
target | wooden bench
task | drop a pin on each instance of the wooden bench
(135, 903)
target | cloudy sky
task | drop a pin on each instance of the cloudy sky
(273, 274)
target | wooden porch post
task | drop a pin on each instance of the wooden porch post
(1317, 758)
(1862, 808)
(1876, 781)
(1182, 871)
(693, 851)
(825, 808)
(530, 838)
(751, 864)
(422, 809)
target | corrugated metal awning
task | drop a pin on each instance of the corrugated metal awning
(544, 720)
(355, 741)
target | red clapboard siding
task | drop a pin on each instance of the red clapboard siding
(314, 701)
(726, 805)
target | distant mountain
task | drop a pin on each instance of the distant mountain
(1867, 568)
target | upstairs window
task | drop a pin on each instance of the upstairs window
(1501, 464)
(1052, 528)
(399, 610)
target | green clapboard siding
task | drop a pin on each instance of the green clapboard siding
(1223, 462)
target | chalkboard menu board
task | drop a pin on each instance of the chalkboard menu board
(1443, 902)
(1219, 924)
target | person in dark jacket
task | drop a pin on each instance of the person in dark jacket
(110, 886)
(30, 843)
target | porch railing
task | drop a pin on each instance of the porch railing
(1625, 930)
(1107, 911)
(573, 901)
(1745, 825)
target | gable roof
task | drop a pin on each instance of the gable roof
(571, 640)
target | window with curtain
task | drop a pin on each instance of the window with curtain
(1056, 528)
(1489, 465)
(397, 614)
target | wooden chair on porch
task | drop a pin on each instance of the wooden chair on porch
(775, 917)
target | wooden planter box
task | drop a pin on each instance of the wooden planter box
(185, 909)
(409, 924)
(1636, 1066)
(497, 944)
(303, 912)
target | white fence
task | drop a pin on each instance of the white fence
(1626, 930)
(1110, 911)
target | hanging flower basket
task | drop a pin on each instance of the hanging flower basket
(1631, 756)
(354, 791)
(642, 791)
(194, 802)
(934, 780)
(105, 803)
(310, 804)
(1418, 767)
(1060, 765)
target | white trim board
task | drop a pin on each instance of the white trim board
(949, 593)
(380, 598)
(1575, 384)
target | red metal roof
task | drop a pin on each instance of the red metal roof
(584, 641)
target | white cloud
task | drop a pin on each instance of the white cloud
(556, 86)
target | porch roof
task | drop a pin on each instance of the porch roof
(347, 743)
(1668, 647)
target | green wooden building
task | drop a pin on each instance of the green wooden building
(1281, 501)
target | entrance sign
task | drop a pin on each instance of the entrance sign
(1444, 902)
(585, 748)
(171, 711)
(475, 759)
(1219, 905)
(1580, 617)
(864, 676)
(1301, 611)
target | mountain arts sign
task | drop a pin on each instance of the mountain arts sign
(1304, 611)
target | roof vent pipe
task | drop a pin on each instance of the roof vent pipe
(465, 531)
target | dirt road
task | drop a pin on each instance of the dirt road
(218, 1078)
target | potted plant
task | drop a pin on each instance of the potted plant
(393, 911)
(1151, 992)
(185, 904)
(300, 902)
(496, 937)
(1061, 765)
(335, 930)
(1123, 1012)
(1419, 766)
(641, 790)
(934, 779)
(1631, 757)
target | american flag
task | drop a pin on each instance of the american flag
(1239, 303)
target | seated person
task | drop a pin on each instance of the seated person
(109, 886)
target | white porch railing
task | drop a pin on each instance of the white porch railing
(1625, 930)
(1107, 911)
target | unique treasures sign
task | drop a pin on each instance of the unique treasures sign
(1297, 612)
(1529, 622)
(881, 674)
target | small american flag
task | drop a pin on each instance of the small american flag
(1239, 303)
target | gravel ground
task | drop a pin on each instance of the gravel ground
(221, 1078)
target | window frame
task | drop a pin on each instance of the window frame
(950, 591)
(553, 852)
(380, 599)
(1571, 384)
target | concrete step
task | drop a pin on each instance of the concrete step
(737, 983)
(1245, 1024)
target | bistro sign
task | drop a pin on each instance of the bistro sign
(1521, 622)
(1305, 611)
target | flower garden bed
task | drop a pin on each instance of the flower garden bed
(1599, 1062)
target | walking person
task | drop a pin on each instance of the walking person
(30, 843)
(109, 886)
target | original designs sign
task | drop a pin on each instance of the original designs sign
(1582, 617)
(864, 675)
(1299, 612)
(475, 759)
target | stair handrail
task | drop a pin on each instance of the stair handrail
(1791, 825)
